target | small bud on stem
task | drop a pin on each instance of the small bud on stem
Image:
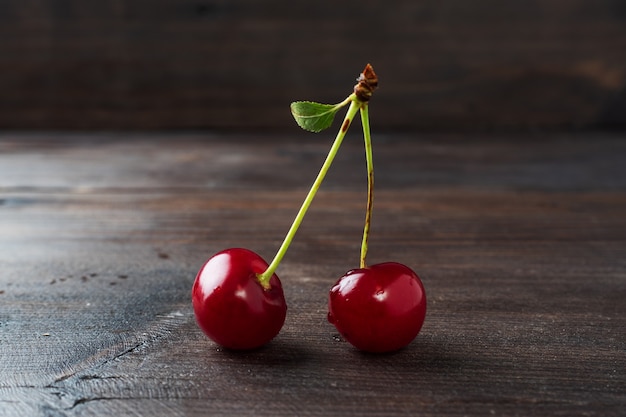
(367, 83)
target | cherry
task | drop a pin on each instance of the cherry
(237, 298)
(233, 306)
(380, 308)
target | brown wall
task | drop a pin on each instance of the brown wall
(442, 64)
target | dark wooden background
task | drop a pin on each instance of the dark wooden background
(451, 64)
(138, 138)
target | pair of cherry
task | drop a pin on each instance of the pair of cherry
(380, 308)
(238, 299)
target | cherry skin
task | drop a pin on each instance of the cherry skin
(231, 305)
(380, 308)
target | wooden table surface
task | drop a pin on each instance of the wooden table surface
(520, 241)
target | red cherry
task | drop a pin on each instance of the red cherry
(231, 305)
(380, 308)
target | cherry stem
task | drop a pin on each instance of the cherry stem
(370, 180)
(355, 104)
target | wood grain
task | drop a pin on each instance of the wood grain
(519, 241)
(443, 65)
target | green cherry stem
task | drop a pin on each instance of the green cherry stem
(355, 104)
(370, 180)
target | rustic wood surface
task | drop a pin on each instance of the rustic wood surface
(520, 242)
(444, 64)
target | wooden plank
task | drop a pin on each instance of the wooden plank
(519, 242)
(183, 64)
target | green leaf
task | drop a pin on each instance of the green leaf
(313, 117)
